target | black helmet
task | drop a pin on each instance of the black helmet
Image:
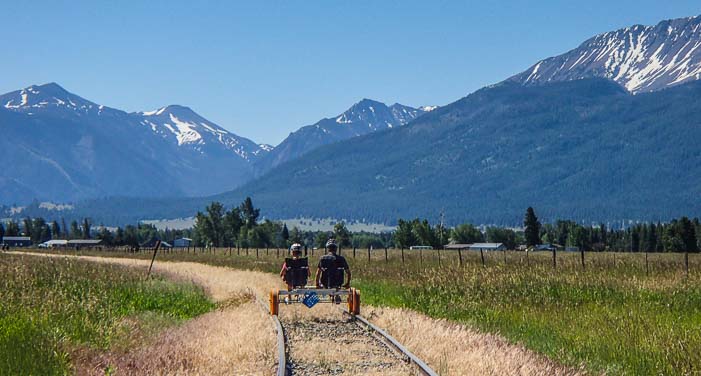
(331, 244)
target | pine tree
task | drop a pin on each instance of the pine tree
(55, 230)
(86, 228)
(532, 231)
(249, 213)
(285, 234)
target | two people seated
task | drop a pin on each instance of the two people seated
(330, 271)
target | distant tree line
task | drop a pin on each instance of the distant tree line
(240, 227)
(679, 235)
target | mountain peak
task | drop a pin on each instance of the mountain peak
(44, 97)
(639, 58)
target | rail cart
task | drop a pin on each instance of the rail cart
(297, 271)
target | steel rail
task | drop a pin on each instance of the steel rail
(421, 366)
(282, 354)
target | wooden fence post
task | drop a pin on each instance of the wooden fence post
(554, 258)
(402, 255)
(581, 252)
(504, 256)
(266, 250)
(647, 267)
(460, 256)
(256, 252)
(421, 257)
(277, 252)
(368, 254)
(686, 262)
(482, 256)
(386, 258)
(353, 252)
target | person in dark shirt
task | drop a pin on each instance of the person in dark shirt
(331, 268)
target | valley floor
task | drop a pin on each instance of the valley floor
(239, 337)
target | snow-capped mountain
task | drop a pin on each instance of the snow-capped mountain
(639, 58)
(58, 146)
(364, 117)
(184, 127)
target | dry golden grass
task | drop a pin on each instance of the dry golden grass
(236, 339)
(240, 338)
(454, 349)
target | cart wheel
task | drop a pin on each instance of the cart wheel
(274, 302)
(351, 301)
(356, 301)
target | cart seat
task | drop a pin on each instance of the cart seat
(297, 271)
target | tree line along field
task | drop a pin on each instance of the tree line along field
(617, 314)
(53, 308)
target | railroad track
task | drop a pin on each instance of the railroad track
(341, 346)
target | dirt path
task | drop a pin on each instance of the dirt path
(240, 337)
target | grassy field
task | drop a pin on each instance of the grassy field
(618, 314)
(52, 308)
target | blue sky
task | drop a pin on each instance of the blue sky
(263, 69)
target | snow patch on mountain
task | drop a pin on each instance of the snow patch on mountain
(639, 58)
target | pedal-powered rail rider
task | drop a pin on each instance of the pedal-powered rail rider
(331, 268)
(295, 270)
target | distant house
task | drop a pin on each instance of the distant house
(456, 246)
(488, 247)
(152, 244)
(572, 249)
(182, 243)
(54, 243)
(420, 247)
(545, 247)
(85, 243)
(17, 241)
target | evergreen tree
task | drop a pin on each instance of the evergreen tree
(27, 225)
(2, 231)
(634, 240)
(651, 243)
(532, 231)
(687, 234)
(106, 236)
(232, 225)
(285, 235)
(75, 232)
(249, 213)
(64, 228)
(85, 228)
(55, 230)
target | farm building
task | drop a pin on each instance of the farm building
(54, 243)
(545, 247)
(152, 244)
(457, 246)
(17, 241)
(182, 242)
(488, 247)
(85, 243)
(420, 247)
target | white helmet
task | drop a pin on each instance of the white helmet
(296, 247)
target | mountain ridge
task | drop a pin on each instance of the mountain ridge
(640, 58)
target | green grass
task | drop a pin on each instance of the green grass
(616, 315)
(50, 307)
